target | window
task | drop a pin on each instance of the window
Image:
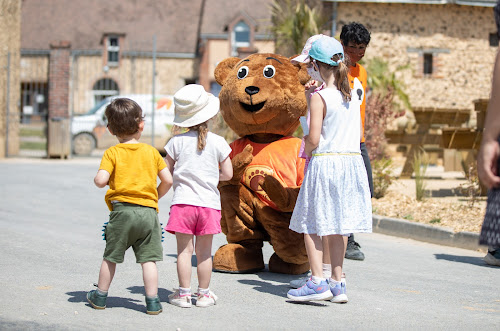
(494, 39)
(113, 48)
(34, 100)
(104, 88)
(240, 37)
(428, 58)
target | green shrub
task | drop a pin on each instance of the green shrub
(420, 163)
(382, 176)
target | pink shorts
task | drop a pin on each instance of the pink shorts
(194, 220)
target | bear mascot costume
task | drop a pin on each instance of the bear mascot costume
(261, 99)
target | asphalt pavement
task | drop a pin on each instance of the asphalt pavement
(51, 215)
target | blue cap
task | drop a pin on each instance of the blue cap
(325, 48)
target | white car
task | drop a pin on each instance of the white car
(89, 130)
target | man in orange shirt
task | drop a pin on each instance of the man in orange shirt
(355, 38)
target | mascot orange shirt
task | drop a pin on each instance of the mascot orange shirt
(359, 72)
(278, 159)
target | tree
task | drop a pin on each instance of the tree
(386, 100)
(294, 22)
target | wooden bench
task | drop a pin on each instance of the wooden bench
(426, 119)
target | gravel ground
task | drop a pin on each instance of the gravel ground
(444, 205)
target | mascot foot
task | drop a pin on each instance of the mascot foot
(235, 258)
(276, 264)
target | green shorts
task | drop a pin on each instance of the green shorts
(136, 226)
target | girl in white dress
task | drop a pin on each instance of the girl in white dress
(334, 199)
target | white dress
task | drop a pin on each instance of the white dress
(335, 197)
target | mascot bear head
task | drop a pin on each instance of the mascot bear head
(262, 95)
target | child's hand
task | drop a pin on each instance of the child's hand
(311, 84)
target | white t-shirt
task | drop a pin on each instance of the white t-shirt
(196, 173)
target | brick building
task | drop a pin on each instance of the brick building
(78, 52)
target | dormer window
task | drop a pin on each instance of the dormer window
(113, 50)
(240, 37)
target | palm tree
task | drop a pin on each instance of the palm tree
(294, 22)
(382, 81)
(382, 107)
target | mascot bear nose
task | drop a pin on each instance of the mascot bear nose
(251, 90)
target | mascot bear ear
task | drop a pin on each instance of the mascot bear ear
(302, 71)
(224, 68)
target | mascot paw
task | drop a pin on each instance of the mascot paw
(240, 161)
(283, 197)
(277, 265)
(235, 258)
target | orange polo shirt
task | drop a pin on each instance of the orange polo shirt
(279, 159)
(359, 72)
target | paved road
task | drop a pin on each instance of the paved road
(51, 248)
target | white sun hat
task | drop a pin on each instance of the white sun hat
(193, 106)
(304, 55)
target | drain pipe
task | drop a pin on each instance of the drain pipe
(334, 19)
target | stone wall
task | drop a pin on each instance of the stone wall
(10, 43)
(457, 36)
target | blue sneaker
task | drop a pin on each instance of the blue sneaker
(339, 293)
(311, 292)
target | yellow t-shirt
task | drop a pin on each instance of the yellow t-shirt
(134, 171)
(359, 72)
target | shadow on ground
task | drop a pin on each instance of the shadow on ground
(463, 259)
(115, 302)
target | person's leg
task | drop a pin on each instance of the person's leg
(203, 249)
(182, 296)
(353, 251)
(106, 275)
(314, 250)
(337, 287)
(368, 166)
(150, 277)
(184, 255)
(336, 247)
(97, 298)
(317, 288)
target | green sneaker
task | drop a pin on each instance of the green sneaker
(153, 306)
(98, 301)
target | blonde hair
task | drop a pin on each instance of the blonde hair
(340, 73)
(202, 129)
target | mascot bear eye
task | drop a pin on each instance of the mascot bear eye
(269, 71)
(242, 72)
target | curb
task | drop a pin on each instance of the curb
(427, 233)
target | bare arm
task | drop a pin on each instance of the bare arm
(102, 178)
(166, 182)
(226, 170)
(490, 150)
(170, 163)
(317, 115)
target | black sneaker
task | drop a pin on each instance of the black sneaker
(352, 252)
